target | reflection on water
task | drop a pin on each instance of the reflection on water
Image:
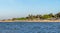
(25, 27)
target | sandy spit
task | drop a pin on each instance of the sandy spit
(31, 21)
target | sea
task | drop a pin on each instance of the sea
(29, 27)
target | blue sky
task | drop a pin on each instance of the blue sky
(22, 8)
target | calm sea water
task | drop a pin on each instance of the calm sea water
(27, 27)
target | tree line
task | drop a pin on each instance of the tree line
(41, 17)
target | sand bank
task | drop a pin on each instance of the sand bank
(31, 21)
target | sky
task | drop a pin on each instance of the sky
(22, 8)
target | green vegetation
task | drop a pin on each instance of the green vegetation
(58, 15)
(45, 16)
(19, 18)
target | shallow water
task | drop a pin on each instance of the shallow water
(27, 27)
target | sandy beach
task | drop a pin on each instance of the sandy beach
(30, 21)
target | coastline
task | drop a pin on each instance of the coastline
(31, 21)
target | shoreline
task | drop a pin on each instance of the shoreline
(31, 21)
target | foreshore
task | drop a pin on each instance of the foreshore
(31, 21)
